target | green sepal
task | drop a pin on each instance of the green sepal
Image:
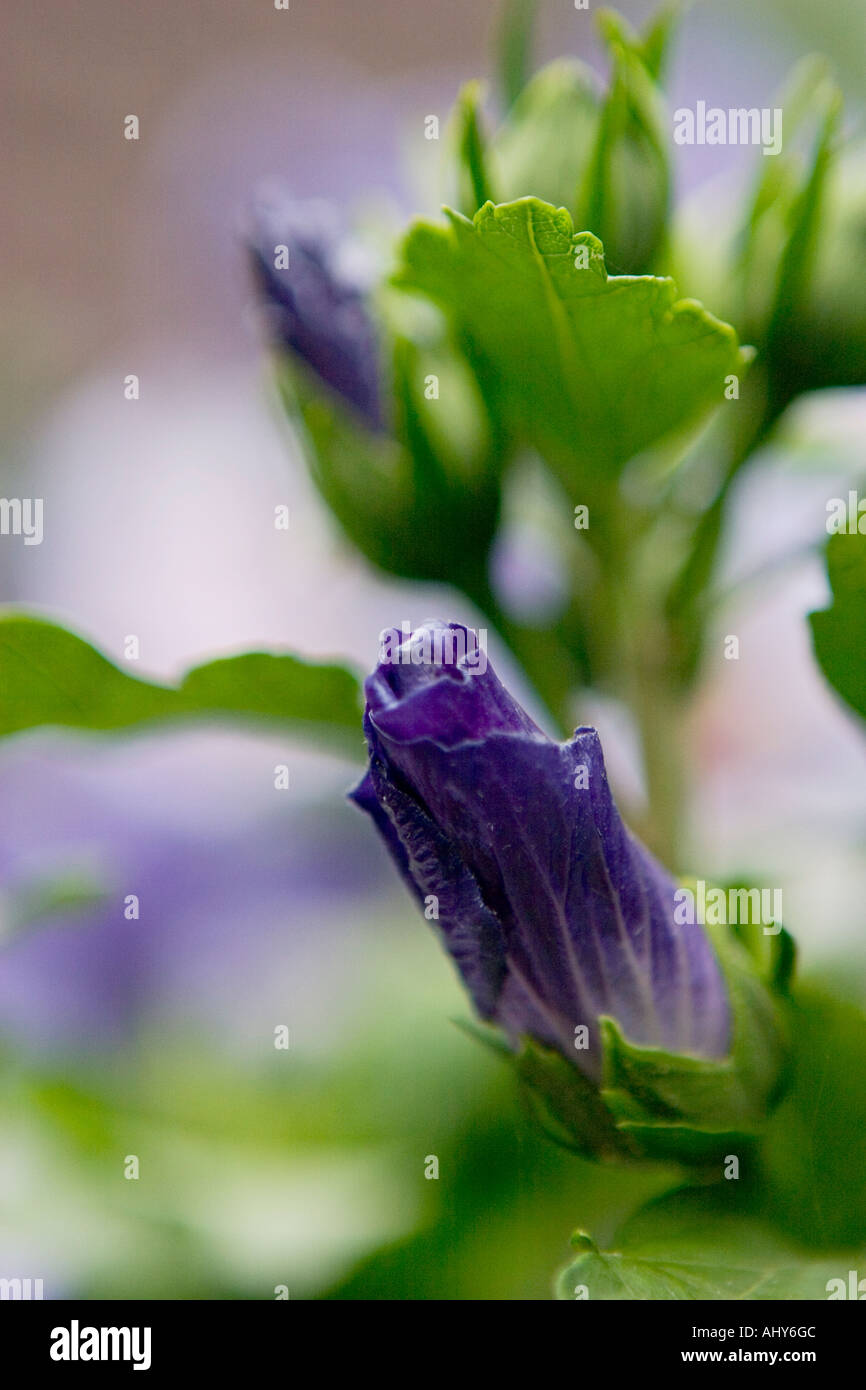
(568, 1106)
(663, 1106)
(474, 174)
(423, 500)
(624, 196)
(515, 41)
(694, 1108)
(543, 147)
(653, 45)
(561, 1099)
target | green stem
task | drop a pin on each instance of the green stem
(645, 681)
(659, 718)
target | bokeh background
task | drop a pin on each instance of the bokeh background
(305, 1168)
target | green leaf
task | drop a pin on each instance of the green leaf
(692, 1272)
(592, 369)
(813, 1154)
(685, 1248)
(48, 676)
(839, 632)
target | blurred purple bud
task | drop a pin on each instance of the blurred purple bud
(311, 278)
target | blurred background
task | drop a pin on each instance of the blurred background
(305, 1168)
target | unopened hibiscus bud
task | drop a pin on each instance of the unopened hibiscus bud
(310, 277)
(560, 922)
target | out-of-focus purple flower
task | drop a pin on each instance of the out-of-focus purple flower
(553, 912)
(311, 279)
(84, 979)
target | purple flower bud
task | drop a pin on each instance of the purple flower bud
(310, 278)
(553, 912)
